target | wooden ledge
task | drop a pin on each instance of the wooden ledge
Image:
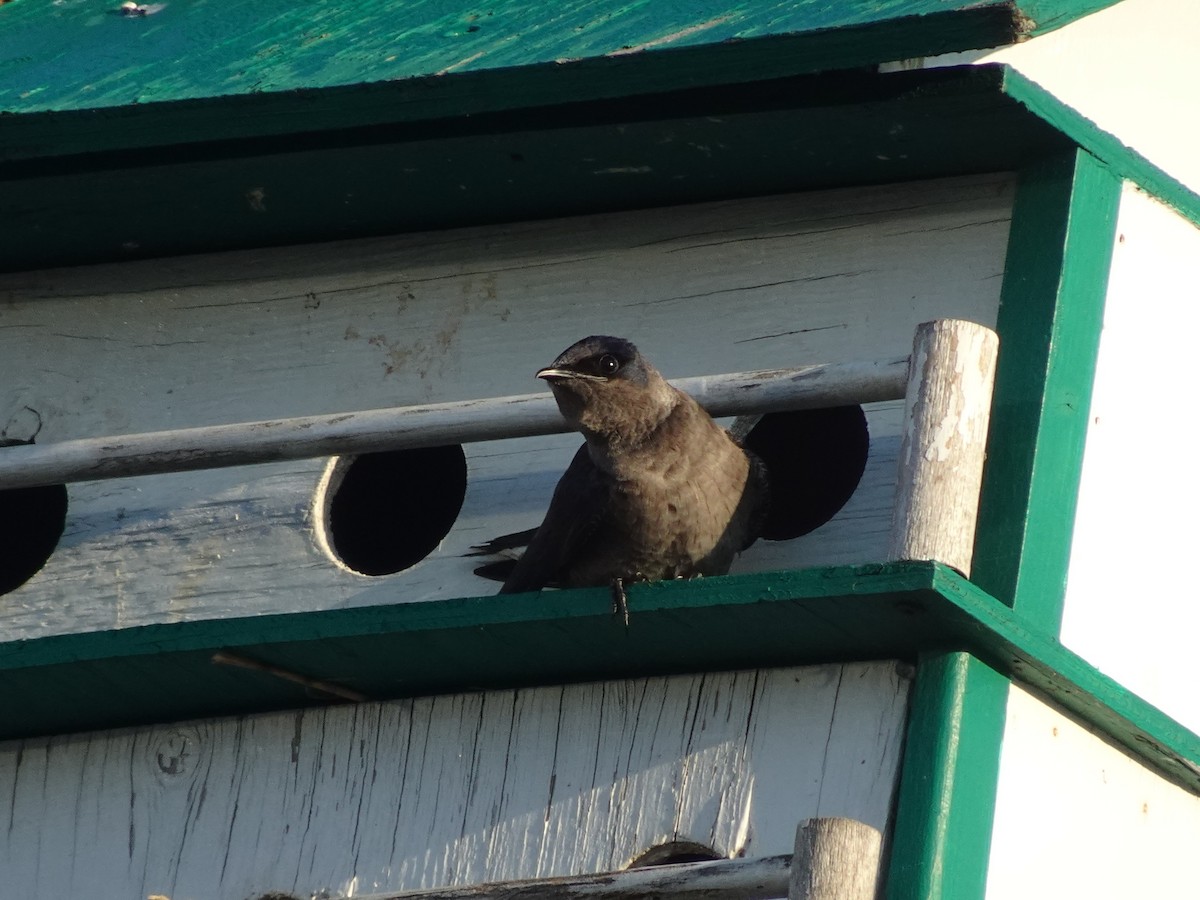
(159, 673)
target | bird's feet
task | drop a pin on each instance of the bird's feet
(620, 602)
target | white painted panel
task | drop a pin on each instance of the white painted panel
(1130, 609)
(1130, 68)
(453, 789)
(1076, 817)
(786, 280)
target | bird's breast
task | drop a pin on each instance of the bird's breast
(678, 510)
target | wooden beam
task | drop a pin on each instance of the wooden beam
(835, 858)
(732, 879)
(164, 672)
(432, 425)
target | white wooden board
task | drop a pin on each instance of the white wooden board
(1075, 817)
(1130, 609)
(1130, 69)
(454, 789)
(788, 280)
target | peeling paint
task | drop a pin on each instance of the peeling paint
(672, 37)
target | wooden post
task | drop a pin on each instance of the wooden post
(835, 859)
(944, 442)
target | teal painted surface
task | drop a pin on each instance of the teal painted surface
(297, 67)
(82, 54)
(896, 611)
(1047, 15)
(1051, 312)
(803, 133)
(535, 163)
(947, 797)
(1124, 161)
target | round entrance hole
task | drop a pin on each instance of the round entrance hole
(31, 522)
(381, 513)
(815, 459)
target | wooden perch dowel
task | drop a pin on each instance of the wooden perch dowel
(247, 443)
(835, 859)
(944, 442)
(727, 879)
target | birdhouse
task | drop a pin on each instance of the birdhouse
(275, 284)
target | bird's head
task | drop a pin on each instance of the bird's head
(606, 389)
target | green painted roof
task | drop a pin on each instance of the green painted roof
(86, 55)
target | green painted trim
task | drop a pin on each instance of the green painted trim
(682, 147)
(399, 174)
(564, 76)
(76, 58)
(1020, 649)
(1051, 313)
(1123, 160)
(947, 797)
(1047, 15)
(160, 673)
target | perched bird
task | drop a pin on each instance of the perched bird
(658, 490)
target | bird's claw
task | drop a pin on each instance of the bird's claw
(620, 601)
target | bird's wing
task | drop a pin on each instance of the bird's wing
(758, 493)
(507, 549)
(504, 544)
(580, 501)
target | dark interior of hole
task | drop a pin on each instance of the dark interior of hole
(675, 852)
(392, 509)
(815, 459)
(31, 522)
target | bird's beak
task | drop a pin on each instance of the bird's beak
(551, 373)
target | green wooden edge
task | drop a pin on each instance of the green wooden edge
(158, 673)
(806, 133)
(1123, 160)
(944, 810)
(1018, 648)
(1051, 313)
(384, 100)
(87, 83)
(1047, 15)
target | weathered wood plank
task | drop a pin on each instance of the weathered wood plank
(733, 879)
(452, 790)
(830, 277)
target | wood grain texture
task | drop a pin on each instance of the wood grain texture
(823, 277)
(949, 401)
(455, 789)
(726, 879)
(835, 859)
(188, 52)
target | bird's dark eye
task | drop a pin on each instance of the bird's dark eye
(608, 364)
